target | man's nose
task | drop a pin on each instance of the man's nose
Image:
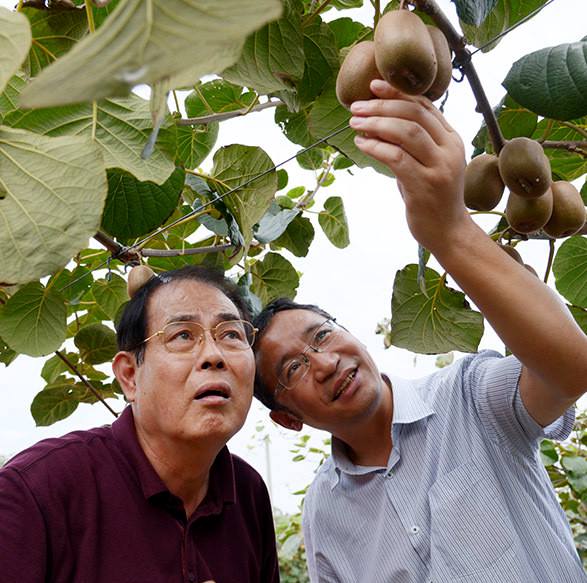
(323, 363)
(209, 354)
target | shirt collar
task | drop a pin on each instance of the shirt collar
(408, 407)
(221, 488)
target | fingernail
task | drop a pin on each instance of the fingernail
(358, 106)
(378, 84)
(359, 140)
(356, 122)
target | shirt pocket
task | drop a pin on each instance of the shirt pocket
(471, 529)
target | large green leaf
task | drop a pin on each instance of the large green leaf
(570, 270)
(122, 130)
(474, 11)
(55, 402)
(96, 343)
(54, 367)
(274, 277)
(565, 164)
(328, 115)
(55, 32)
(235, 165)
(505, 14)
(334, 223)
(551, 82)
(9, 98)
(273, 57)
(33, 320)
(135, 208)
(146, 41)
(580, 315)
(274, 222)
(7, 355)
(52, 192)
(217, 96)
(347, 32)
(110, 295)
(72, 285)
(15, 40)
(437, 322)
(298, 237)
(294, 125)
(188, 145)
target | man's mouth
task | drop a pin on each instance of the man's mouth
(212, 391)
(345, 384)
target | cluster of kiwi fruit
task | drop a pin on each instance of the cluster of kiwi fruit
(410, 55)
(535, 202)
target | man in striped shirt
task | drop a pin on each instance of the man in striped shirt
(438, 479)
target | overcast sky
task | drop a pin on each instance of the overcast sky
(355, 283)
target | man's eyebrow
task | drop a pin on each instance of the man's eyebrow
(221, 317)
(306, 332)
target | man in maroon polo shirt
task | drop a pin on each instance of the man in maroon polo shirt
(156, 497)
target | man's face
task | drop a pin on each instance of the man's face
(189, 396)
(342, 385)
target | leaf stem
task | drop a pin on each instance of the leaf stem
(320, 8)
(550, 259)
(86, 383)
(90, 15)
(174, 92)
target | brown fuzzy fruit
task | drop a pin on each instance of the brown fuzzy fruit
(137, 278)
(568, 210)
(404, 52)
(443, 63)
(531, 270)
(483, 184)
(356, 73)
(524, 167)
(527, 215)
(513, 253)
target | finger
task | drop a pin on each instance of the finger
(394, 157)
(408, 110)
(384, 90)
(408, 135)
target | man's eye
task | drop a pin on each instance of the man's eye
(292, 368)
(232, 334)
(183, 335)
(322, 336)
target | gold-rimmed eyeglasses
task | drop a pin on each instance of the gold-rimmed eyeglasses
(186, 337)
(295, 368)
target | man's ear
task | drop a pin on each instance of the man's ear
(124, 366)
(286, 419)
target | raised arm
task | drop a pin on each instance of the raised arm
(411, 136)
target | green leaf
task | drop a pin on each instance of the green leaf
(8, 99)
(311, 159)
(328, 115)
(33, 320)
(294, 125)
(54, 192)
(548, 452)
(235, 165)
(54, 367)
(584, 193)
(274, 222)
(298, 237)
(135, 208)
(217, 96)
(435, 323)
(96, 343)
(72, 285)
(7, 355)
(273, 57)
(122, 131)
(188, 145)
(580, 315)
(322, 60)
(110, 295)
(551, 82)
(505, 14)
(575, 464)
(347, 32)
(147, 41)
(333, 222)
(55, 402)
(102, 13)
(570, 270)
(55, 32)
(282, 179)
(15, 40)
(341, 162)
(274, 277)
(474, 11)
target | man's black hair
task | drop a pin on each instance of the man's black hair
(261, 322)
(132, 328)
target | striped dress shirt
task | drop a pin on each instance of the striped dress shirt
(464, 496)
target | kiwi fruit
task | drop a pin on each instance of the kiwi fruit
(483, 184)
(356, 73)
(512, 252)
(531, 270)
(404, 52)
(527, 215)
(137, 278)
(524, 167)
(568, 210)
(443, 63)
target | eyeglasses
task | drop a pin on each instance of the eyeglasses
(186, 337)
(295, 369)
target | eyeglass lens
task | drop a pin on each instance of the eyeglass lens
(228, 335)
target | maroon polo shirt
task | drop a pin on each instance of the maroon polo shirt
(89, 507)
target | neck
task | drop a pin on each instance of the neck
(184, 468)
(370, 443)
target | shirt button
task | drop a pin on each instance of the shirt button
(389, 473)
(415, 529)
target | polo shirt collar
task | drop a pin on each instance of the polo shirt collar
(221, 488)
(408, 407)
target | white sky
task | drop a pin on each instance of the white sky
(355, 283)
